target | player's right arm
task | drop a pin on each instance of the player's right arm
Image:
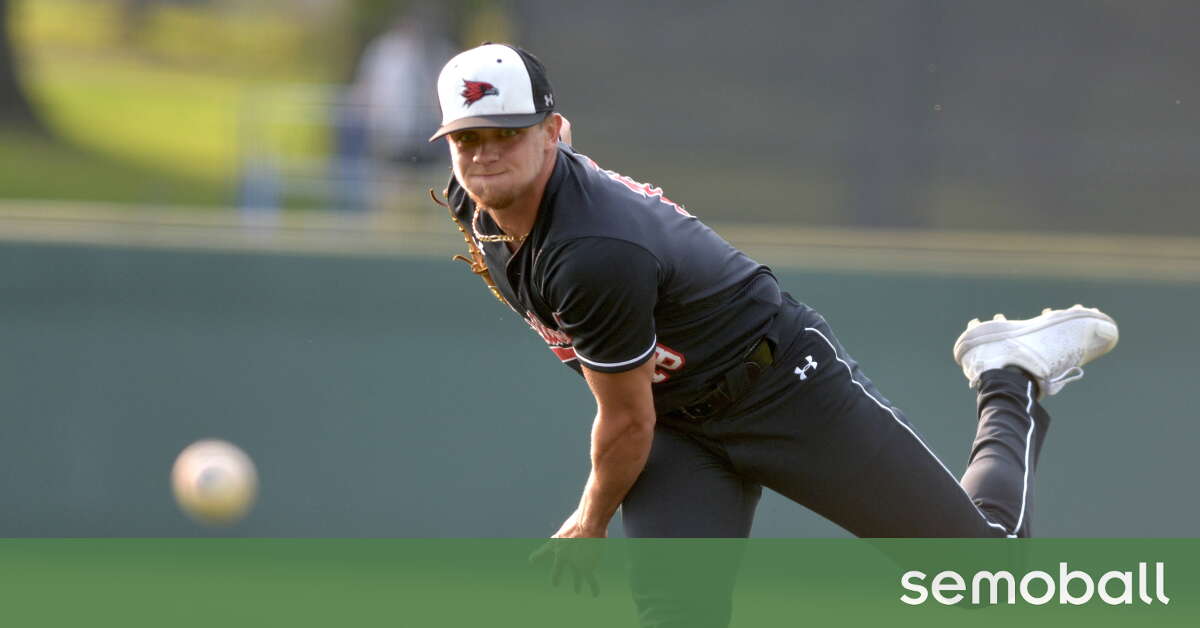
(621, 436)
(604, 292)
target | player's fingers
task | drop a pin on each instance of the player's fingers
(594, 584)
(540, 554)
(556, 572)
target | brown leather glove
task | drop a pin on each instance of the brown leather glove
(476, 261)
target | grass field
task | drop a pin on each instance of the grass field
(147, 115)
(35, 167)
(155, 119)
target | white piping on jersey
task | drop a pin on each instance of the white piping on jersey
(850, 371)
(653, 346)
(1028, 440)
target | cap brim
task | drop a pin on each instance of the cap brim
(510, 121)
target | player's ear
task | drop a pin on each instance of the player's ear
(564, 130)
(553, 125)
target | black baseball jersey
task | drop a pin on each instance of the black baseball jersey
(614, 274)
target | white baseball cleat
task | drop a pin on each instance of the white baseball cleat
(1051, 347)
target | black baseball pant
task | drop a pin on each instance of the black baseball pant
(814, 429)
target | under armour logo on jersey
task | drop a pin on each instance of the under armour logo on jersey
(803, 372)
(474, 90)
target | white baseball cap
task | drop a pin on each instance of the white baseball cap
(493, 86)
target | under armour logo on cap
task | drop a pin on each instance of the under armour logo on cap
(474, 90)
(493, 86)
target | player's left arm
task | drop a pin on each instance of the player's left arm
(621, 437)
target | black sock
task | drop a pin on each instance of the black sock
(1017, 369)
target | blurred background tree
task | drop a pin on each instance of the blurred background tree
(16, 110)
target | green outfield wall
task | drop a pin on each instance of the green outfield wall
(390, 397)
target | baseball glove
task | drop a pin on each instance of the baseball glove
(475, 261)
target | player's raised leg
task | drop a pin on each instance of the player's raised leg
(1013, 365)
(831, 442)
(846, 453)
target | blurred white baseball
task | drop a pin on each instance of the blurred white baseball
(214, 482)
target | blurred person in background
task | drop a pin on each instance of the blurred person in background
(390, 107)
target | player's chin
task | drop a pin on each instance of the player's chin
(491, 197)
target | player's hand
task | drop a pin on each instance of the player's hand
(573, 528)
(577, 556)
(573, 549)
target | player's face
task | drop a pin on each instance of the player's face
(498, 167)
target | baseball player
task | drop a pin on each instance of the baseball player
(710, 381)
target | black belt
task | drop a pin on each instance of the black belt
(730, 388)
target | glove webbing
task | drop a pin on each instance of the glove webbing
(476, 261)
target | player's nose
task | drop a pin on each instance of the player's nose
(487, 152)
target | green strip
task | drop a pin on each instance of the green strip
(411, 582)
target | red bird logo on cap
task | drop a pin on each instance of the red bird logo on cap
(474, 90)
